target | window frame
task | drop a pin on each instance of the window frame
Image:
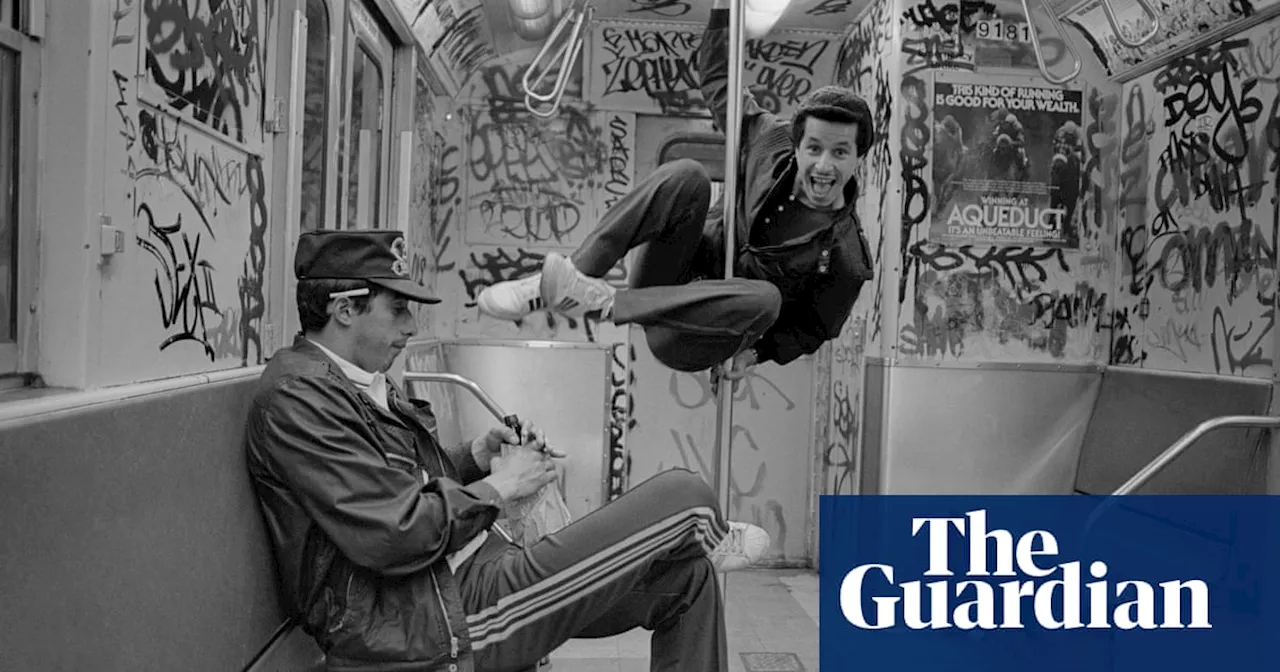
(335, 115)
(20, 356)
(362, 31)
(328, 129)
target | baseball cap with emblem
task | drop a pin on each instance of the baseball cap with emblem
(378, 256)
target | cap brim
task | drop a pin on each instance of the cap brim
(408, 288)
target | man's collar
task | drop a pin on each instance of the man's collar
(357, 375)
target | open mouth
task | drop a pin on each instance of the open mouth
(821, 187)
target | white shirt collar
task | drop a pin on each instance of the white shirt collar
(373, 384)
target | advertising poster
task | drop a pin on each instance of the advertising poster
(1008, 164)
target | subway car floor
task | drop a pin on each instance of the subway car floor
(771, 617)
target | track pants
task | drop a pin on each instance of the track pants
(690, 325)
(639, 561)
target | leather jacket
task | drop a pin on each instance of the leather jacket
(819, 275)
(360, 534)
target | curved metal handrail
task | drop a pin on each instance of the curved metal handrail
(568, 54)
(470, 385)
(1115, 23)
(1181, 445)
(1108, 11)
(1035, 42)
(1172, 452)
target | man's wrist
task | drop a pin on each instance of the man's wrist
(502, 487)
(479, 447)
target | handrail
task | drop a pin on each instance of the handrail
(1107, 10)
(568, 54)
(1172, 452)
(1035, 42)
(1115, 24)
(470, 385)
(1181, 445)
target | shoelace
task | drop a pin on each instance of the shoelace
(732, 543)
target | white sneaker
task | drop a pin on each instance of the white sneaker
(512, 299)
(741, 548)
(566, 290)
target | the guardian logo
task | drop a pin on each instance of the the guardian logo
(1053, 595)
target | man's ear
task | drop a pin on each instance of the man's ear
(342, 310)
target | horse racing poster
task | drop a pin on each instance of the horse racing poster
(1008, 162)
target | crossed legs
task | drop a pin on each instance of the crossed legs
(647, 559)
(690, 324)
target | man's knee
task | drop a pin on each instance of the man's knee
(687, 486)
(687, 175)
(762, 300)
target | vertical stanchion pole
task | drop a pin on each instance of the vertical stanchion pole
(732, 136)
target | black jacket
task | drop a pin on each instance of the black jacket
(360, 535)
(819, 275)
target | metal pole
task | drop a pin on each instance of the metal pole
(732, 137)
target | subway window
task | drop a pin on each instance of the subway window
(15, 78)
(705, 148)
(9, 114)
(315, 122)
(347, 109)
(369, 105)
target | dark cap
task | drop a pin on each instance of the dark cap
(836, 103)
(378, 256)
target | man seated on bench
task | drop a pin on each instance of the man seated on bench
(385, 541)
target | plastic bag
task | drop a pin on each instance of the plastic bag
(532, 518)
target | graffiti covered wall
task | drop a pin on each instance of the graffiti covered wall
(651, 67)
(867, 64)
(507, 188)
(186, 177)
(428, 234)
(675, 426)
(1181, 22)
(980, 301)
(510, 187)
(1198, 188)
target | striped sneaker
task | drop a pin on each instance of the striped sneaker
(741, 548)
(567, 291)
(512, 299)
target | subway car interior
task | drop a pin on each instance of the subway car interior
(1094, 314)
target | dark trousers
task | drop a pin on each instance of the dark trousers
(639, 561)
(690, 324)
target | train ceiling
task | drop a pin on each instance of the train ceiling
(800, 14)
(517, 26)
